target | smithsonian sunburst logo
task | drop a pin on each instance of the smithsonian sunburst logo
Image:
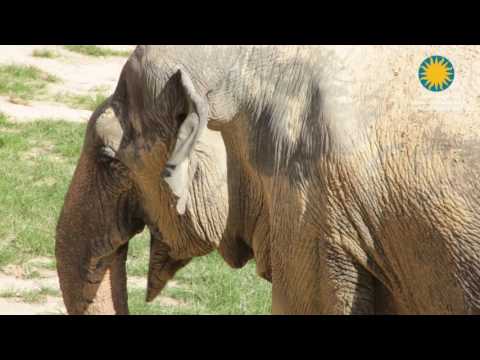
(436, 73)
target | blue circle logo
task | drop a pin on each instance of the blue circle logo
(436, 73)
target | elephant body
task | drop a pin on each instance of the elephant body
(368, 179)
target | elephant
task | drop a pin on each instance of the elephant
(352, 186)
(363, 191)
(108, 201)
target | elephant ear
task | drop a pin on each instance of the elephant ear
(176, 173)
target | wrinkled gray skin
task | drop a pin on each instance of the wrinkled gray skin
(369, 182)
(113, 195)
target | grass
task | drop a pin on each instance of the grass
(38, 296)
(38, 160)
(87, 102)
(33, 274)
(24, 82)
(94, 50)
(9, 293)
(3, 119)
(31, 296)
(28, 82)
(45, 53)
(208, 286)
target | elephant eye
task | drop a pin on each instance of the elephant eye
(107, 154)
(180, 118)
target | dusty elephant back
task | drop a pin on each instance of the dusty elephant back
(417, 179)
(396, 187)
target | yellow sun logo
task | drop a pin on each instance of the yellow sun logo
(436, 73)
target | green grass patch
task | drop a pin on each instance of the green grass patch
(25, 82)
(30, 296)
(87, 102)
(38, 296)
(37, 160)
(94, 50)
(205, 286)
(9, 293)
(32, 274)
(3, 119)
(51, 265)
(45, 53)
(138, 255)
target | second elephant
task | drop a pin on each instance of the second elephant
(107, 204)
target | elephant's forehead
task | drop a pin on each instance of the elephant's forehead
(108, 129)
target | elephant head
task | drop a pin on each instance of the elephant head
(91, 243)
(117, 189)
(178, 94)
(202, 79)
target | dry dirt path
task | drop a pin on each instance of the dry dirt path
(15, 287)
(79, 74)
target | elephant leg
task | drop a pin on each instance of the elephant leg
(385, 301)
(353, 286)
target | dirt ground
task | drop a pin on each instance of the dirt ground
(79, 74)
(15, 282)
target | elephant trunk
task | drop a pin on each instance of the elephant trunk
(90, 283)
(102, 294)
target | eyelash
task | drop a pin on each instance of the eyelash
(180, 118)
(107, 154)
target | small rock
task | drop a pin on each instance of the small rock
(14, 270)
(168, 301)
(18, 101)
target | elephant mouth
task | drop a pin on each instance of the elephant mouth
(237, 255)
(246, 253)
